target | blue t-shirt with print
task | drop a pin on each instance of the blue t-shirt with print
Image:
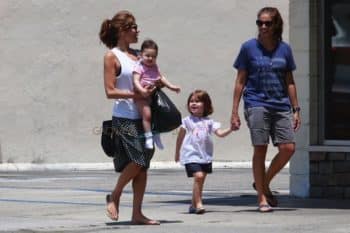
(266, 84)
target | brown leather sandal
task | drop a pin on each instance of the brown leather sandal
(271, 199)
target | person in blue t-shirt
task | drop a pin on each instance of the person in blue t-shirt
(271, 108)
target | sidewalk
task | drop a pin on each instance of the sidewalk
(73, 201)
(21, 167)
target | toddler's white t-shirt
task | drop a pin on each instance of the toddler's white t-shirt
(197, 146)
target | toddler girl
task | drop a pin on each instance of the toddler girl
(194, 145)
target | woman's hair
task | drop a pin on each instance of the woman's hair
(201, 96)
(111, 28)
(277, 21)
(149, 44)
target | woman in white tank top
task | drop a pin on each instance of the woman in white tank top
(133, 160)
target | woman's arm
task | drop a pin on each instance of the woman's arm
(179, 140)
(292, 92)
(237, 94)
(111, 68)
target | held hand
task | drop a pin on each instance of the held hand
(296, 121)
(235, 121)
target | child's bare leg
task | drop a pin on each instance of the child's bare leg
(145, 111)
(198, 182)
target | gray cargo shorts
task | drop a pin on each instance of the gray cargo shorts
(263, 123)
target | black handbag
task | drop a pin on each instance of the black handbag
(165, 116)
(108, 138)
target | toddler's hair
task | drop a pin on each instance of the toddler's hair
(204, 97)
(149, 44)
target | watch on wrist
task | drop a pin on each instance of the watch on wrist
(296, 109)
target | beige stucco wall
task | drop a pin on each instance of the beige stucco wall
(51, 93)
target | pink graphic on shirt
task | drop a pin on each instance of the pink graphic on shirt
(200, 133)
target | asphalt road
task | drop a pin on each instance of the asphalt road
(55, 201)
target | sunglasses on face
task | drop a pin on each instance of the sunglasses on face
(134, 26)
(260, 23)
(131, 26)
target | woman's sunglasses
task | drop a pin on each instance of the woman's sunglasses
(131, 26)
(260, 23)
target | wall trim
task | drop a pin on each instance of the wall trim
(317, 148)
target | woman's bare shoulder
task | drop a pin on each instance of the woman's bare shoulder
(109, 55)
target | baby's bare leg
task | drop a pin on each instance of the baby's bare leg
(144, 108)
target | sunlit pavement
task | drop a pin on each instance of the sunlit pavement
(57, 201)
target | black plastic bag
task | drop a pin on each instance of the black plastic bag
(108, 138)
(165, 116)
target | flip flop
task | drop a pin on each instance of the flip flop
(265, 208)
(200, 211)
(194, 210)
(147, 222)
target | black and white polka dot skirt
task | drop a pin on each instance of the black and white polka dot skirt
(130, 141)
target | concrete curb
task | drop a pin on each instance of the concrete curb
(20, 167)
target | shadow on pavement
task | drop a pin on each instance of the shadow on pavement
(129, 223)
(286, 202)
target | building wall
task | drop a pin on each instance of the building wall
(330, 175)
(51, 94)
(317, 170)
(300, 41)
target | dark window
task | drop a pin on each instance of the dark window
(337, 69)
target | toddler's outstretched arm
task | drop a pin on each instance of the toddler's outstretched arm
(223, 132)
(169, 85)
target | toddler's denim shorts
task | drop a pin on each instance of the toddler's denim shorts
(192, 168)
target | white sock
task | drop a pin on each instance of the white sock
(158, 141)
(148, 134)
(149, 140)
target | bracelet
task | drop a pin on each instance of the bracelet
(296, 109)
